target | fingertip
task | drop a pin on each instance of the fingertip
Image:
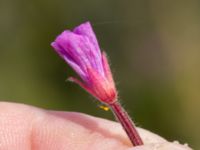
(25, 127)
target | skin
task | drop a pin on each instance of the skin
(24, 127)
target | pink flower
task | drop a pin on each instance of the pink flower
(80, 49)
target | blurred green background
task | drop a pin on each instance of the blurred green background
(153, 46)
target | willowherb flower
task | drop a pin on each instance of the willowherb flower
(80, 49)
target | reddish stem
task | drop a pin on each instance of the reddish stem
(128, 125)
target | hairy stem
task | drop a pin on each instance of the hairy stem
(128, 125)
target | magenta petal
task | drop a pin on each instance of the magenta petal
(85, 29)
(79, 49)
(69, 60)
(69, 42)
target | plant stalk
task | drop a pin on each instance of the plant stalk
(126, 122)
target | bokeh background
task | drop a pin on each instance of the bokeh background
(153, 46)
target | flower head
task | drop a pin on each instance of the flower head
(80, 49)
